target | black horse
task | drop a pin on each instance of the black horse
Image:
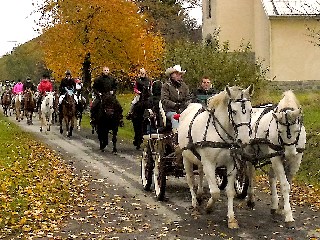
(108, 118)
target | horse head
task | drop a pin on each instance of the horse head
(288, 116)
(239, 111)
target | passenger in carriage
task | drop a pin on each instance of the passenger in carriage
(175, 95)
(44, 86)
(104, 84)
(204, 91)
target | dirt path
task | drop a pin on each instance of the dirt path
(118, 208)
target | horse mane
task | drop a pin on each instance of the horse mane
(216, 100)
(289, 100)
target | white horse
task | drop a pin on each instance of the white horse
(207, 136)
(47, 111)
(278, 135)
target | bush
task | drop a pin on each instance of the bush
(216, 61)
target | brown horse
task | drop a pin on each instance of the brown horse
(55, 108)
(68, 114)
(29, 105)
(18, 106)
(6, 102)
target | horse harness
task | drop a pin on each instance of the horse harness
(260, 161)
(236, 148)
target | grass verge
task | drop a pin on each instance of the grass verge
(37, 190)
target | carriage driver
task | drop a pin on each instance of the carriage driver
(174, 98)
(104, 84)
(174, 95)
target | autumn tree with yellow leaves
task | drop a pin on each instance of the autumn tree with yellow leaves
(83, 36)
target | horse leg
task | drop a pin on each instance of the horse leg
(279, 172)
(188, 166)
(71, 127)
(60, 123)
(209, 171)
(232, 221)
(251, 173)
(114, 140)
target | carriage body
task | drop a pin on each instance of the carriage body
(159, 158)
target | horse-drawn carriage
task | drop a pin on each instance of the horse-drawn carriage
(227, 141)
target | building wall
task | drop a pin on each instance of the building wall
(261, 36)
(282, 44)
(233, 17)
(293, 56)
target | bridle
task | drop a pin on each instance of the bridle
(242, 101)
(288, 124)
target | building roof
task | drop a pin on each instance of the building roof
(274, 8)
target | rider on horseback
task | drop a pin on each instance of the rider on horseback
(28, 85)
(44, 86)
(67, 83)
(104, 84)
(18, 89)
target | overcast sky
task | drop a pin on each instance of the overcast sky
(17, 26)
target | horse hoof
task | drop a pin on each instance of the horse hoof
(290, 225)
(233, 224)
(251, 204)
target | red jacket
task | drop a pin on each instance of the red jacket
(45, 86)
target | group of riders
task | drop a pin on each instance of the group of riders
(173, 93)
(45, 85)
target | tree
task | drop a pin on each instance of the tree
(213, 59)
(86, 35)
(25, 60)
(171, 19)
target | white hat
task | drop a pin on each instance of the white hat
(176, 68)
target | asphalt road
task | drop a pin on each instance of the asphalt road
(117, 207)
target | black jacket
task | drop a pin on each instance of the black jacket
(104, 84)
(29, 85)
(200, 95)
(68, 83)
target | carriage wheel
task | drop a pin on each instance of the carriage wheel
(221, 177)
(147, 166)
(159, 177)
(241, 185)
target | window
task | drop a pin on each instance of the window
(209, 9)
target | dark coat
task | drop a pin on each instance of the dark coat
(104, 84)
(200, 95)
(143, 85)
(68, 83)
(172, 94)
(29, 85)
